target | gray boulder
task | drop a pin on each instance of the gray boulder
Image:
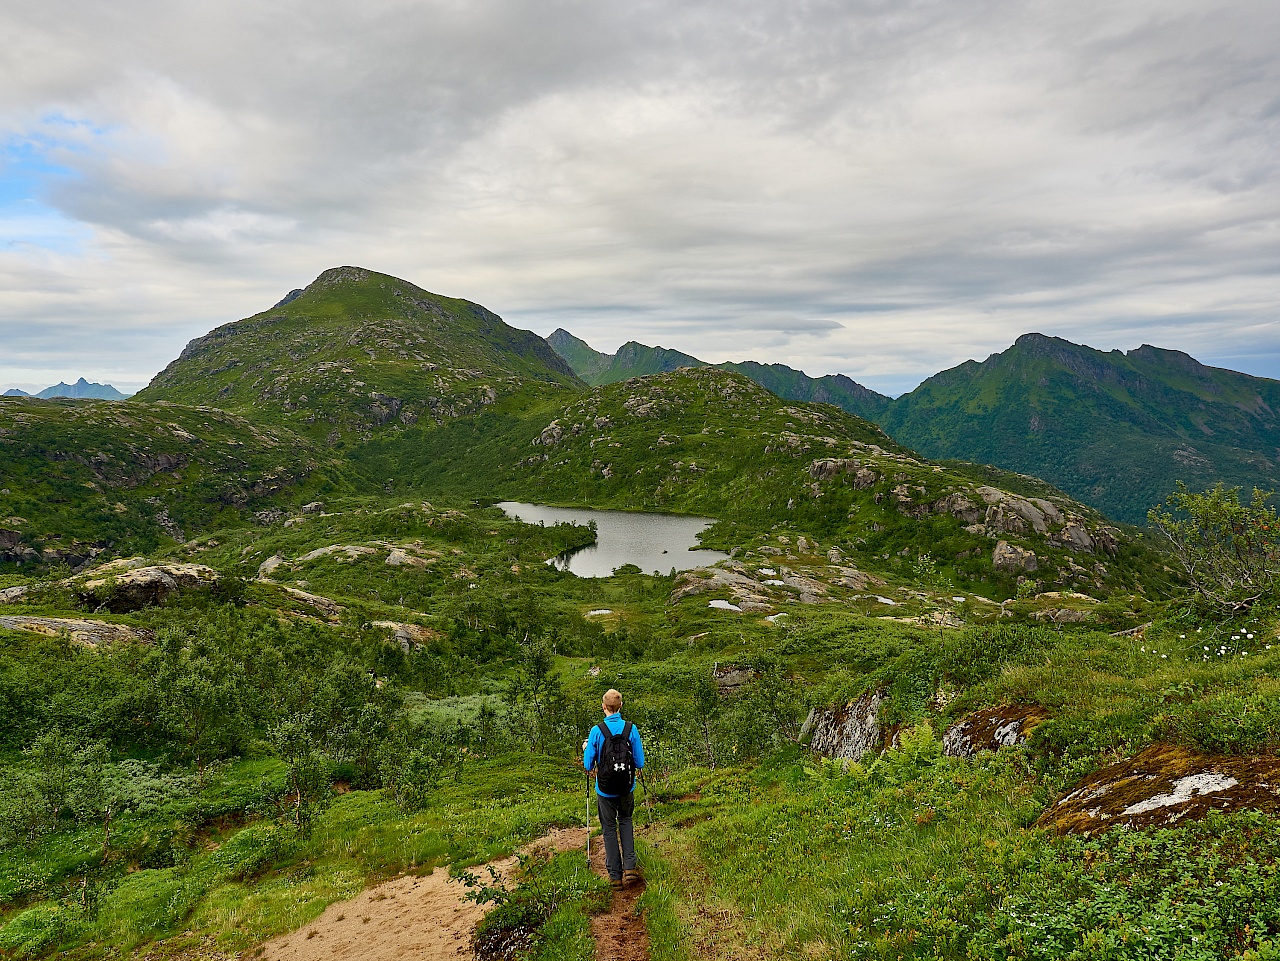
(131, 590)
(847, 731)
(1011, 559)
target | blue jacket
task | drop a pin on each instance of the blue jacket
(595, 742)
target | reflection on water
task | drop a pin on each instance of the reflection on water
(655, 543)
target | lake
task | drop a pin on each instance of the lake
(655, 543)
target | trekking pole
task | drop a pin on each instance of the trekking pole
(587, 778)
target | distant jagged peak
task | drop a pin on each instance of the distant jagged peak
(82, 389)
(290, 297)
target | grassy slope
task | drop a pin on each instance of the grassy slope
(101, 471)
(768, 852)
(918, 855)
(1112, 429)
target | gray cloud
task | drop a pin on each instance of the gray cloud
(882, 190)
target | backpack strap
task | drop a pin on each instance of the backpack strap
(626, 730)
(604, 729)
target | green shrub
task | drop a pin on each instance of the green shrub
(37, 928)
(147, 905)
(249, 852)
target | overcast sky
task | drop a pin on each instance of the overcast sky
(881, 188)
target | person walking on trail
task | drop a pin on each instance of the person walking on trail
(614, 751)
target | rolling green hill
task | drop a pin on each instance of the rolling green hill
(1116, 430)
(125, 476)
(358, 352)
(708, 441)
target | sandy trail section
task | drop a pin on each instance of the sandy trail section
(422, 918)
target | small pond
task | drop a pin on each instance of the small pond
(655, 543)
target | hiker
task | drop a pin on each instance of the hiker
(614, 751)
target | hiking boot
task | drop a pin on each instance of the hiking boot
(631, 877)
(615, 883)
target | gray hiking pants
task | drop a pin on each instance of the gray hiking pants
(615, 824)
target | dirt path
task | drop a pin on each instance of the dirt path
(421, 918)
(620, 935)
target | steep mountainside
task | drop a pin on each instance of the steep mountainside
(357, 352)
(637, 360)
(1116, 430)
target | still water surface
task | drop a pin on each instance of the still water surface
(652, 542)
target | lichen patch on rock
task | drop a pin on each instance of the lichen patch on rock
(992, 729)
(1164, 785)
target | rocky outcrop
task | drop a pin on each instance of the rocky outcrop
(855, 579)
(1163, 786)
(409, 636)
(992, 729)
(14, 551)
(961, 507)
(550, 435)
(1036, 512)
(1010, 559)
(83, 632)
(827, 468)
(398, 557)
(730, 678)
(1063, 615)
(352, 552)
(329, 608)
(808, 590)
(269, 565)
(133, 589)
(848, 731)
(749, 595)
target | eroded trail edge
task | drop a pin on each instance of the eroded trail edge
(426, 918)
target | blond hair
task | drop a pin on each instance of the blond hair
(612, 701)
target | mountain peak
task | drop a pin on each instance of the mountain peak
(81, 389)
(1037, 343)
(359, 352)
(340, 275)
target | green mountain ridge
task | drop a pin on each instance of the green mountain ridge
(1115, 430)
(346, 369)
(633, 359)
(358, 352)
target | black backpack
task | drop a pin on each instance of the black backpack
(616, 768)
